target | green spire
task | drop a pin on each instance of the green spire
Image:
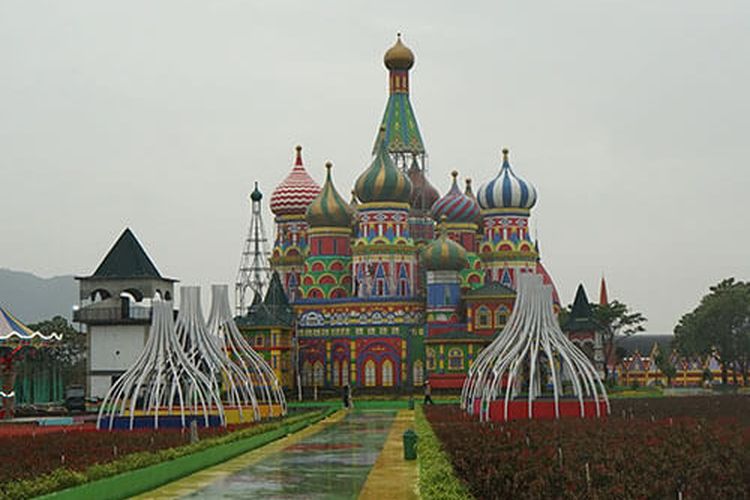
(401, 129)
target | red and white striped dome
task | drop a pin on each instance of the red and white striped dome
(296, 192)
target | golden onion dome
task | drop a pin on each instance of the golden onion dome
(329, 209)
(444, 254)
(382, 181)
(399, 56)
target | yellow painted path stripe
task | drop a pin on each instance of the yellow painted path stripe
(393, 477)
(194, 482)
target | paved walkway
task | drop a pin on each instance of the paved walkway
(392, 476)
(338, 457)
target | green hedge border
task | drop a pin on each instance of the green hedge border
(149, 477)
(437, 479)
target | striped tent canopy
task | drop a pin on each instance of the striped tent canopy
(13, 332)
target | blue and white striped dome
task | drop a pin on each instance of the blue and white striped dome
(507, 190)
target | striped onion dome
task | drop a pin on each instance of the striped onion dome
(444, 254)
(455, 205)
(423, 194)
(468, 192)
(329, 209)
(295, 193)
(507, 190)
(382, 181)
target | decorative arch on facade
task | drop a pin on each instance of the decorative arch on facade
(308, 281)
(455, 358)
(135, 293)
(431, 358)
(318, 374)
(99, 294)
(387, 376)
(315, 293)
(501, 316)
(336, 265)
(483, 318)
(338, 293)
(381, 354)
(327, 279)
(370, 369)
(317, 267)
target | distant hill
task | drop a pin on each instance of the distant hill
(32, 299)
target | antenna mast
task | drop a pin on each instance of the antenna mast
(254, 273)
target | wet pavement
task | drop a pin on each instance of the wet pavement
(329, 464)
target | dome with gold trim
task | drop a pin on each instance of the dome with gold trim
(382, 181)
(444, 254)
(295, 192)
(399, 56)
(329, 209)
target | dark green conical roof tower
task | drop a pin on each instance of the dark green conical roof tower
(581, 317)
(402, 134)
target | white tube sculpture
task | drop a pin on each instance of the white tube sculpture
(162, 384)
(228, 379)
(263, 381)
(530, 344)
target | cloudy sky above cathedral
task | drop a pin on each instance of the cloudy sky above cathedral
(630, 118)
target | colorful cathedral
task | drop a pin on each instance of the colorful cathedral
(399, 284)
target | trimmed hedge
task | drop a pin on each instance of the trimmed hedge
(437, 479)
(64, 478)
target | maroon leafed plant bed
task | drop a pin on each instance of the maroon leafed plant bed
(649, 448)
(30, 454)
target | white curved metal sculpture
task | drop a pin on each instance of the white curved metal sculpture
(531, 354)
(264, 384)
(162, 384)
(227, 378)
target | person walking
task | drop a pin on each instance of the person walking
(346, 396)
(428, 394)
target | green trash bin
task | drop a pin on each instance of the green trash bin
(410, 445)
(411, 402)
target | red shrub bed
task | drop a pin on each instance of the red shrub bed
(30, 454)
(646, 449)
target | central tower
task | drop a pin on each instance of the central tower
(403, 141)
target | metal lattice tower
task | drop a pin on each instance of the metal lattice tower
(254, 273)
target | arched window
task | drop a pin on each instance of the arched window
(336, 373)
(370, 373)
(387, 373)
(431, 361)
(483, 318)
(501, 317)
(455, 359)
(318, 374)
(307, 374)
(344, 373)
(418, 372)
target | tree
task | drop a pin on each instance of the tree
(69, 353)
(720, 325)
(666, 367)
(615, 319)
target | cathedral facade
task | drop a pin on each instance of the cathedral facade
(399, 284)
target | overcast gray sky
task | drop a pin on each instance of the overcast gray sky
(631, 118)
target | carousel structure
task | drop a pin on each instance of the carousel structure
(532, 370)
(16, 340)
